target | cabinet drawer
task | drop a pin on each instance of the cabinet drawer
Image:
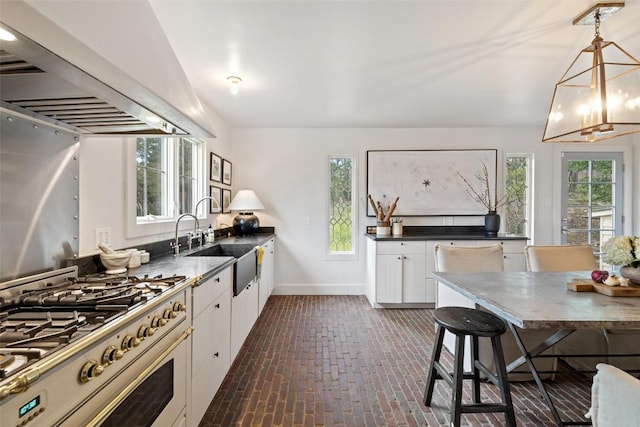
(513, 246)
(221, 308)
(390, 248)
(387, 248)
(465, 243)
(210, 289)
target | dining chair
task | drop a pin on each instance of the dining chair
(584, 341)
(560, 258)
(472, 259)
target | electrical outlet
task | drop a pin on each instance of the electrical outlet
(103, 235)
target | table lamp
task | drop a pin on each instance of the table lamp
(245, 202)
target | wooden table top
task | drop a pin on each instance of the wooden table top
(541, 300)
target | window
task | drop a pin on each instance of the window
(592, 202)
(518, 189)
(169, 177)
(342, 222)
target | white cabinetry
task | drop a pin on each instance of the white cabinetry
(267, 273)
(513, 251)
(399, 273)
(244, 313)
(210, 351)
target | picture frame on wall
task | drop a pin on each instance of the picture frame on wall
(216, 194)
(427, 182)
(226, 200)
(215, 167)
(226, 172)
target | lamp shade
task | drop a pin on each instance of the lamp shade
(246, 201)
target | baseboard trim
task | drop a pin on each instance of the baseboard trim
(349, 289)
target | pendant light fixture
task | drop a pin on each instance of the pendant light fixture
(234, 84)
(598, 97)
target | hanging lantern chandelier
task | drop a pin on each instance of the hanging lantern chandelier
(598, 97)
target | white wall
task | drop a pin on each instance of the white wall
(288, 170)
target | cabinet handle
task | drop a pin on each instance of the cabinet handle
(217, 306)
(216, 354)
(218, 279)
(399, 257)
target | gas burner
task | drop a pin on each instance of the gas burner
(41, 329)
(12, 360)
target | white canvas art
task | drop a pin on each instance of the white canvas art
(427, 181)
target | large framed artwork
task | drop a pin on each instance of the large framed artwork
(215, 167)
(427, 181)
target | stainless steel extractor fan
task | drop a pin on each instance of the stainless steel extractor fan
(36, 82)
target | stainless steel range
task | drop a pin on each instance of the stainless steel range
(96, 350)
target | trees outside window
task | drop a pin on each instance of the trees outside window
(170, 177)
(518, 190)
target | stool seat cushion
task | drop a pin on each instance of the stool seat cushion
(469, 321)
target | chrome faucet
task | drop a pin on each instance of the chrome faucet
(195, 210)
(176, 244)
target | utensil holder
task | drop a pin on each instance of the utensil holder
(383, 228)
(397, 229)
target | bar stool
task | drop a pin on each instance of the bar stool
(462, 322)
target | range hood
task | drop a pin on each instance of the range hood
(37, 83)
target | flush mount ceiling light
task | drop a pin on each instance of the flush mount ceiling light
(598, 97)
(234, 82)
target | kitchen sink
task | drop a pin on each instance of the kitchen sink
(245, 269)
(233, 250)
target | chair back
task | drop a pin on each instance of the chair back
(460, 259)
(560, 258)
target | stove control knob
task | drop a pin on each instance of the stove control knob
(158, 322)
(111, 354)
(129, 342)
(90, 370)
(144, 332)
(178, 306)
(169, 314)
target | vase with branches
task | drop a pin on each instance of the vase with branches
(486, 199)
(484, 195)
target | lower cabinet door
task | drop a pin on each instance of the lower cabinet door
(389, 279)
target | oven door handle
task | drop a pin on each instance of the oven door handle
(106, 411)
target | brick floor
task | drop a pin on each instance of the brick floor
(335, 361)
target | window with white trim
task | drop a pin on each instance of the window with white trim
(519, 191)
(342, 207)
(169, 177)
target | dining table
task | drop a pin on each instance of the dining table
(542, 301)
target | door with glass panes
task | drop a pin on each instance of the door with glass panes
(591, 197)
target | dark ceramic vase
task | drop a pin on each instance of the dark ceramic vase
(631, 273)
(491, 223)
(246, 223)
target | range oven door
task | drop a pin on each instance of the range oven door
(150, 393)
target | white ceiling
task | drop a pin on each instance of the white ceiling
(429, 63)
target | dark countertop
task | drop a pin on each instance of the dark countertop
(197, 266)
(418, 233)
